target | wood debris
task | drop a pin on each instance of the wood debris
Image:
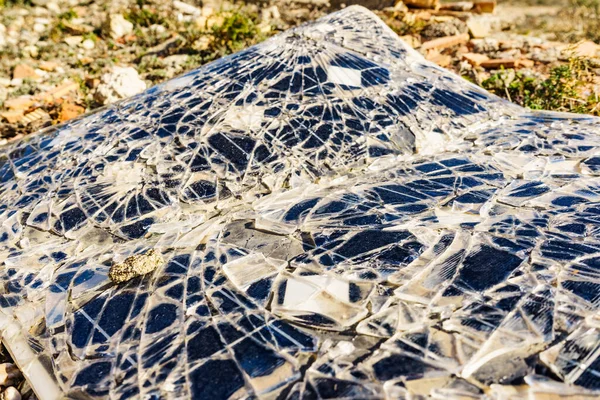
(475, 59)
(445, 42)
(24, 71)
(35, 115)
(506, 63)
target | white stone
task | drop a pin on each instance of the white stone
(118, 84)
(54, 7)
(10, 393)
(118, 26)
(2, 36)
(157, 29)
(88, 44)
(186, 8)
(31, 50)
(73, 40)
(39, 27)
(43, 21)
(270, 13)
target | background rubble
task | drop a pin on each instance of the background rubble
(62, 58)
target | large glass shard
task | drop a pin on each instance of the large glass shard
(324, 215)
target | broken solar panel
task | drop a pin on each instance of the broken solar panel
(324, 215)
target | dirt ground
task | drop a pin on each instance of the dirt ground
(62, 58)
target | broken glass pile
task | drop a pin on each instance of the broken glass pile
(323, 215)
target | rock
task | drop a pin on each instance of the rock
(88, 44)
(400, 7)
(587, 49)
(410, 40)
(48, 66)
(39, 28)
(421, 3)
(31, 51)
(507, 63)
(69, 111)
(86, 60)
(457, 6)
(478, 28)
(77, 29)
(43, 21)
(73, 41)
(487, 45)
(445, 42)
(157, 29)
(451, 27)
(19, 103)
(203, 43)
(546, 56)
(117, 26)
(509, 44)
(186, 8)
(370, 4)
(10, 393)
(9, 373)
(270, 13)
(118, 84)
(2, 36)
(12, 117)
(443, 60)
(58, 92)
(174, 64)
(53, 6)
(24, 71)
(525, 63)
(485, 6)
(136, 265)
(475, 59)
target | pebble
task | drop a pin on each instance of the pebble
(270, 13)
(69, 111)
(2, 36)
(88, 44)
(48, 66)
(118, 26)
(485, 45)
(73, 40)
(31, 50)
(118, 84)
(157, 29)
(23, 71)
(186, 8)
(39, 28)
(53, 7)
(9, 374)
(10, 393)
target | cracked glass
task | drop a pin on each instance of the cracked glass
(323, 215)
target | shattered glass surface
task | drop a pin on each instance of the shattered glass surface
(324, 215)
